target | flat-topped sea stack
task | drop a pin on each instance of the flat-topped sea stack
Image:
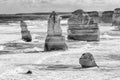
(26, 36)
(107, 16)
(82, 27)
(95, 16)
(116, 18)
(54, 39)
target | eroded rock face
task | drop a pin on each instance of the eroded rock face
(54, 39)
(26, 36)
(82, 27)
(87, 60)
(107, 16)
(116, 18)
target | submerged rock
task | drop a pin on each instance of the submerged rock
(28, 72)
(87, 60)
(82, 27)
(26, 36)
(54, 39)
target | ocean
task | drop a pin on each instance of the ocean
(15, 53)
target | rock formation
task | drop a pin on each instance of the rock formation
(87, 60)
(82, 27)
(95, 16)
(116, 18)
(26, 36)
(107, 16)
(54, 39)
(29, 72)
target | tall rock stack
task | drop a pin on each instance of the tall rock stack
(26, 36)
(82, 27)
(95, 16)
(54, 39)
(107, 16)
(116, 18)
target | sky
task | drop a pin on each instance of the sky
(30, 6)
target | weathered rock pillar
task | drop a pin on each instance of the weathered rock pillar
(116, 18)
(82, 27)
(54, 39)
(26, 36)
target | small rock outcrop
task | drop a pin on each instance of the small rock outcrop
(29, 72)
(87, 60)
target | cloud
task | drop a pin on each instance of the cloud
(18, 6)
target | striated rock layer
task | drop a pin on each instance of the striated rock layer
(55, 43)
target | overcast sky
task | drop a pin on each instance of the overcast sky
(25, 6)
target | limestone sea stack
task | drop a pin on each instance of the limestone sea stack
(54, 39)
(26, 36)
(107, 16)
(82, 27)
(87, 60)
(116, 18)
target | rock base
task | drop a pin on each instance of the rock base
(26, 36)
(84, 37)
(55, 43)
